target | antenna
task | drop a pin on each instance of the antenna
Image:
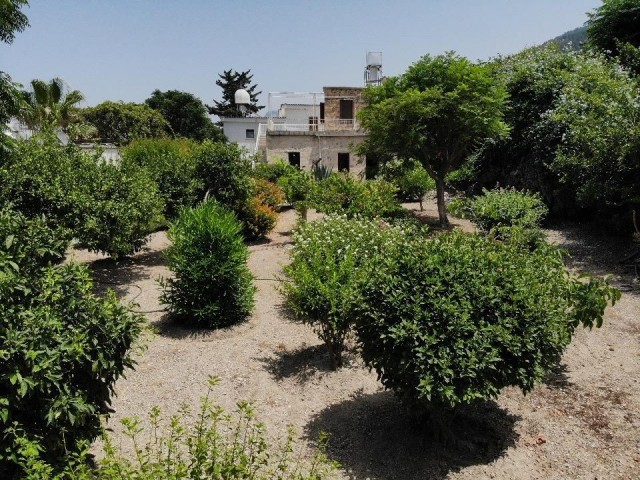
(373, 70)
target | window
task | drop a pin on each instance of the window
(313, 124)
(343, 162)
(251, 133)
(294, 159)
(346, 109)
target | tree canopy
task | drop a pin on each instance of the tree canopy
(186, 114)
(12, 20)
(120, 122)
(614, 23)
(436, 112)
(230, 81)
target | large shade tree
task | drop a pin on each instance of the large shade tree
(230, 81)
(12, 19)
(437, 112)
(186, 114)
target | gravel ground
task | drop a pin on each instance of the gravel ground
(583, 423)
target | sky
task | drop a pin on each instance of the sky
(125, 49)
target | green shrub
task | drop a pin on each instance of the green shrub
(272, 172)
(217, 445)
(329, 261)
(212, 286)
(257, 219)
(31, 243)
(502, 207)
(459, 317)
(62, 350)
(343, 195)
(125, 207)
(411, 179)
(268, 193)
(225, 174)
(298, 188)
(171, 164)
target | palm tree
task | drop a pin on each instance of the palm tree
(48, 107)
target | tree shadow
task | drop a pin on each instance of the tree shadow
(598, 253)
(373, 436)
(168, 327)
(122, 274)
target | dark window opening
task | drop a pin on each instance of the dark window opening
(343, 162)
(251, 133)
(321, 111)
(372, 166)
(313, 124)
(294, 159)
(346, 109)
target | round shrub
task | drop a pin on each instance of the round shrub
(124, 208)
(212, 285)
(171, 165)
(62, 351)
(272, 172)
(459, 317)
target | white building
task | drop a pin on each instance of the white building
(246, 131)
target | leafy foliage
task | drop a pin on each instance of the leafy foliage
(342, 194)
(258, 219)
(171, 164)
(269, 193)
(62, 351)
(613, 24)
(298, 188)
(12, 19)
(411, 179)
(459, 317)
(216, 445)
(225, 173)
(504, 207)
(273, 171)
(230, 81)
(329, 262)
(124, 208)
(121, 123)
(185, 114)
(437, 113)
(212, 286)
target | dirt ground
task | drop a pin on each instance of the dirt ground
(583, 423)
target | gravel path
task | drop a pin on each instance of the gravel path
(584, 423)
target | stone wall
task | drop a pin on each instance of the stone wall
(332, 97)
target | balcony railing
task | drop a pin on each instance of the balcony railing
(325, 125)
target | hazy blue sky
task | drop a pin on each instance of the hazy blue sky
(124, 49)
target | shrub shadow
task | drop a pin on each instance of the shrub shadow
(301, 364)
(167, 327)
(558, 378)
(373, 436)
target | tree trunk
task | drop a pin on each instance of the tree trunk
(442, 210)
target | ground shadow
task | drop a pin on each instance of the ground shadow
(122, 274)
(598, 253)
(301, 364)
(558, 377)
(168, 327)
(373, 436)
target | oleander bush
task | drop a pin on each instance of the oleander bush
(216, 445)
(211, 286)
(171, 164)
(457, 318)
(62, 350)
(344, 195)
(329, 262)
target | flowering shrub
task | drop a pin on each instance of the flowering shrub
(268, 193)
(258, 219)
(329, 262)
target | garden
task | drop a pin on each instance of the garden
(187, 312)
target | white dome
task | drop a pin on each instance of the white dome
(242, 97)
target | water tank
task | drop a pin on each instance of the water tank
(374, 59)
